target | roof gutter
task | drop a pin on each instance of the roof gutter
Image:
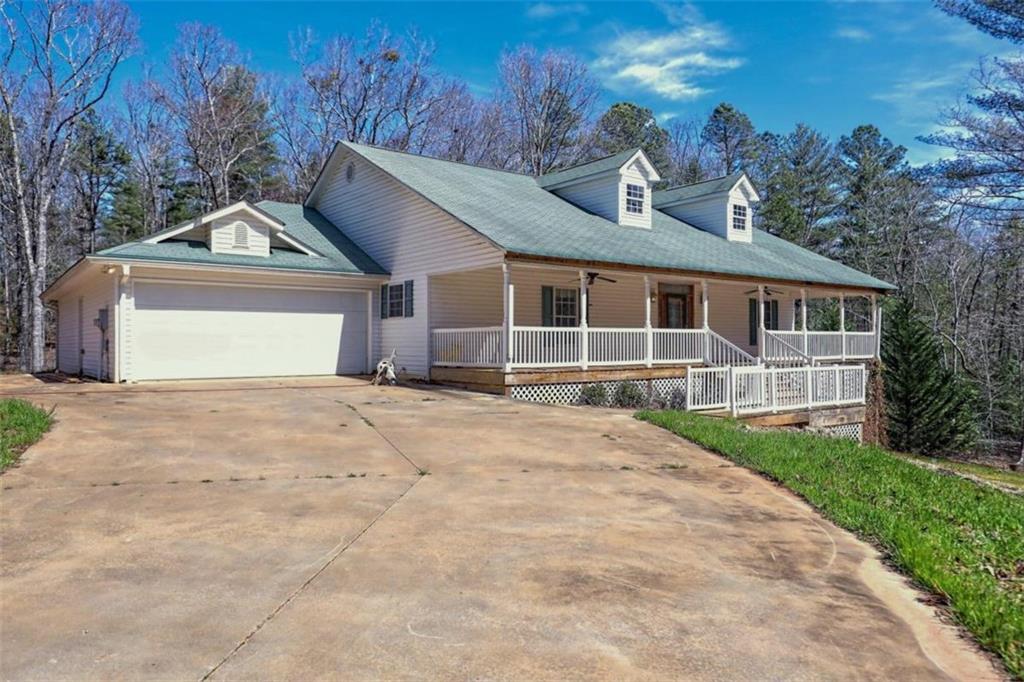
(205, 267)
(700, 274)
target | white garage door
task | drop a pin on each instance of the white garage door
(199, 331)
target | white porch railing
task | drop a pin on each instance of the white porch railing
(721, 351)
(707, 388)
(546, 346)
(614, 346)
(795, 345)
(771, 389)
(678, 345)
(567, 347)
(860, 344)
(469, 347)
(784, 347)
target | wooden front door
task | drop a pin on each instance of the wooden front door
(675, 306)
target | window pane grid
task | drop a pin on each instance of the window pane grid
(739, 217)
(565, 313)
(635, 199)
(396, 300)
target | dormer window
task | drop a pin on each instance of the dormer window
(635, 199)
(739, 217)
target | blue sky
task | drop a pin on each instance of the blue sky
(832, 65)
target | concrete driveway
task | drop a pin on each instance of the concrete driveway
(322, 528)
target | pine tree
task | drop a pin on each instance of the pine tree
(927, 406)
(732, 138)
(627, 126)
(127, 219)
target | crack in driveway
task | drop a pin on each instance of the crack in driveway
(331, 557)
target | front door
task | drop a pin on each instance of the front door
(675, 309)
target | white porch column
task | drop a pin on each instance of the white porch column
(842, 322)
(803, 315)
(760, 323)
(507, 316)
(874, 320)
(584, 334)
(648, 332)
(704, 302)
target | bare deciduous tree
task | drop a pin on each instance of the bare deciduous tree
(56, 64)
(547, 100)
(217, 108)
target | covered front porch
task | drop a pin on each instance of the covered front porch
(526, 317)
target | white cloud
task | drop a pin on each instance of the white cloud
(918, 96)
(852, 33)
(549, 10)
(672, 64)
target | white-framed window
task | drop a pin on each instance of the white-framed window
(739, 217)
(396, 300)
(566, 308)
(635, 199)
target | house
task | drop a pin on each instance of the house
(531, 287)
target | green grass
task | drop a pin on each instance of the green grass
(961, 540)
(21, 424)
(1007, 477)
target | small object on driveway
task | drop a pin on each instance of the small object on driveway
(386, 371)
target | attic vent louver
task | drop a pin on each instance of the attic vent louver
(241, 235)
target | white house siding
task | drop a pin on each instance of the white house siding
(613, 305)
(67, 335)
(95, 293)
(466, 299)
(707, 214)
(599, 196)
(410, 238)
(222, 235)
(634, 175)
(729, 311)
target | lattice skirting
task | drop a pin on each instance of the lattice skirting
(851, 431)
(664, 390)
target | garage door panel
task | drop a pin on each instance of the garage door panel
(211, 331)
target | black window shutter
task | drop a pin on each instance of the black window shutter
(752, 320)
(775, 315)
(383, 301)
(408, 298)
(547, 306)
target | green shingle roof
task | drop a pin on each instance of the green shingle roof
(340, 254)
(595, 167)
(697, 189)
(519, 216)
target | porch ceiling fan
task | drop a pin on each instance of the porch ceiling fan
(593, 276)
(767, 292)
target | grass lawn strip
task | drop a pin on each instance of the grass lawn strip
(21, 424)
(1011, 480)
(961, 540)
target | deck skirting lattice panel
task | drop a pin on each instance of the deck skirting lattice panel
(851, 431)
(663, 390)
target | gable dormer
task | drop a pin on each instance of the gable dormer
(240, 234)
(617, 187)
(722, 206)
(240, 229)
